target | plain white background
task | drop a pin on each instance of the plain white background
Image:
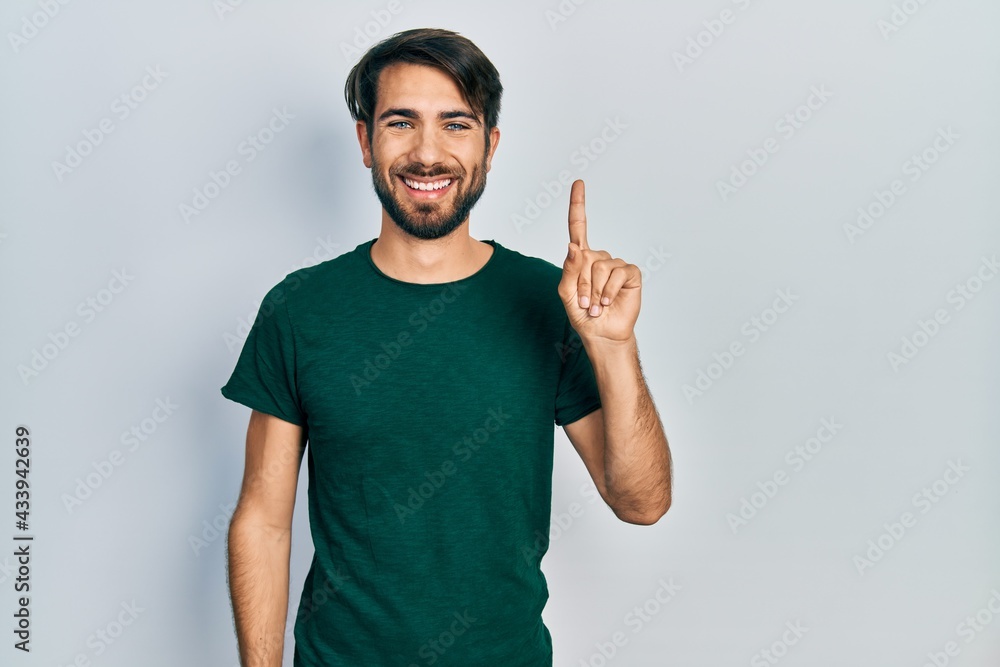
(695, 95)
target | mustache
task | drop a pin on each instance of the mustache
(421, 172)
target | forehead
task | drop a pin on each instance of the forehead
(419, 87)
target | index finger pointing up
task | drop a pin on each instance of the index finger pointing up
(578, 216)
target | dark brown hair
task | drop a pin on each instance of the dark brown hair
(446, 50)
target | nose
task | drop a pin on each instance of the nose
(427, 148)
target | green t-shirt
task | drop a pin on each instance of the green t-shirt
(429, 412)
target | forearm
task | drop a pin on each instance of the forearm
(637, 462)
(258, 584)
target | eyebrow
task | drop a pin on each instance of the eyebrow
(444, 115)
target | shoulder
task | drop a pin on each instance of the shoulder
(313, 281)
(530, 268)
(532, 286)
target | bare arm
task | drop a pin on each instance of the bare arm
(623, 447)
(623, 444)
(260, 538)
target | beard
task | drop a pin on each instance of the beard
(434, 219)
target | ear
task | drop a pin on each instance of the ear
(366, 149)
(494, 141)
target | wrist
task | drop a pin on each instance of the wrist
(598, 345)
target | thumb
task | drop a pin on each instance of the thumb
(573, 253)
(571, 273)
(574, 258)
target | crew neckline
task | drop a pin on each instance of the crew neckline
(497, 248)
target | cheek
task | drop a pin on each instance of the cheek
(387, 150)
(473, 163)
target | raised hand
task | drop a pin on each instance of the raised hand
(601, 293)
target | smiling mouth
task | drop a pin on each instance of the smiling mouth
(427, 189)
(422, 185)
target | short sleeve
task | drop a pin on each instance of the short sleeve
(265, 373)
(577, 394)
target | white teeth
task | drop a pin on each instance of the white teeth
(435, 185)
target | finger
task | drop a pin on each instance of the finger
(570, 275)
(584, 280)
(602, 273)
(619, 278)
(577, 215)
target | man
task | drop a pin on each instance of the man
(425, 369)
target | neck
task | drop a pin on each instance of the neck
(413, 260)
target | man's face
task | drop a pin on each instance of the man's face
(428, 152)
